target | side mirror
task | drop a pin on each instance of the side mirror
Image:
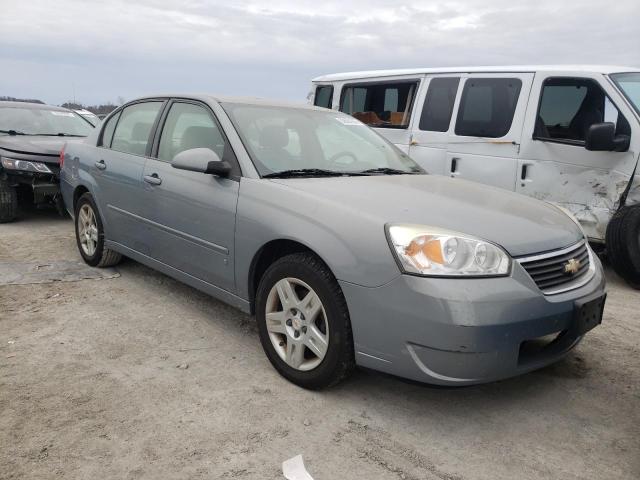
(203, 160)
(601, 137)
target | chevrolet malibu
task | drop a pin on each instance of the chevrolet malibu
(346, 251)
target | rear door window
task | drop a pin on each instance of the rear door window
(134, 127)
(324, 96)
(487, 107)
(438, 105)
(386, 105)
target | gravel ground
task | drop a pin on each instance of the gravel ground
(142, 377)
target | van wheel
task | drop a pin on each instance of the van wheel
(304, 323)
(90, 235)
(8, 202)
(623, 244)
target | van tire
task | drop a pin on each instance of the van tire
(623, 244)
(8, 202)
(338, 361)
(102, 256)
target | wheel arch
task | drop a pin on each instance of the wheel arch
(269, 253)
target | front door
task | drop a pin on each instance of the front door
(192, 214)
(554, 164)
(484, 143)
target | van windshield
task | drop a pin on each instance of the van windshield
(629, 84)
(303, 140)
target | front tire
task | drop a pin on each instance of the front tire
(8, 202)
(304, 323)
(90, 234)
(623, 244)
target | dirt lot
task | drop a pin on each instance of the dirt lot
(93, 384)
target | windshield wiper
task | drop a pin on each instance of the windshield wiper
(387, 171)
(13, 132)
(62, 134)
(307, 172)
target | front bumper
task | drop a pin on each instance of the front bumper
(463, 331)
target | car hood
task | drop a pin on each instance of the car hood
(36, 145)
(520, 224)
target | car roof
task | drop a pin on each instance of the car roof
(32, 105)
(204, 97)
(604, 69)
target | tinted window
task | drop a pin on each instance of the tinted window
(107, 133)
(324, 96)
(189, 126)
(438, 106)
(487, 106)
(134, 127)
(386, 105)
(569, 106)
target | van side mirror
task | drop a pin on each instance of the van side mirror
(203, 160)
(601, 137)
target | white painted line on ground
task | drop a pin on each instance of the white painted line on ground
(293, 469)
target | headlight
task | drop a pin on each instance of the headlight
(427, 250)
(13, 164)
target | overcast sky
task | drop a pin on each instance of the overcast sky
(51, 49)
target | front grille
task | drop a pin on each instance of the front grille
(561, 270)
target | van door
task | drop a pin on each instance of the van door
(430, 131)
(554, 164)
(383, 105)
(484, 143)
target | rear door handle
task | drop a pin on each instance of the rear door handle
(100, 165)
(153, 179)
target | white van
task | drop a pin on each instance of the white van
(566, 134)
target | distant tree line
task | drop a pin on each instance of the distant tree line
(14, 99)
(97, 109)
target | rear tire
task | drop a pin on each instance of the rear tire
(623, 244)
(323, 337)
(90, 234)
(8, 202)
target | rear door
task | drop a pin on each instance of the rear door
(126, 143)
(192, 215)
(483, 146)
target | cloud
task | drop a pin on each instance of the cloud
(110, 48)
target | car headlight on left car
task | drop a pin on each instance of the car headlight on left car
(25, 165)
(432, 251)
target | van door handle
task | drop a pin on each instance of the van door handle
(454, 165)
(153, 179)
(100, 165)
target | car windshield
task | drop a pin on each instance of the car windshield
(42, 121)
(314, 142)
(629, 84)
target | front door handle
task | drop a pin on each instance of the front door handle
(100, 165)
(153, 179)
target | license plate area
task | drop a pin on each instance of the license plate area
(588, 314)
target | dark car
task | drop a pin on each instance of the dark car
(31, 138)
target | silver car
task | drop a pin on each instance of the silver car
(345, 250)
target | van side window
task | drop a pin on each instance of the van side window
(569, 106)
(487, 107)
(134, 127)
(438, 106)
(386, 105)
(323, 96)
(107, 131)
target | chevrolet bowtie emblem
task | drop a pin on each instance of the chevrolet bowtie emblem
(572, 266)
